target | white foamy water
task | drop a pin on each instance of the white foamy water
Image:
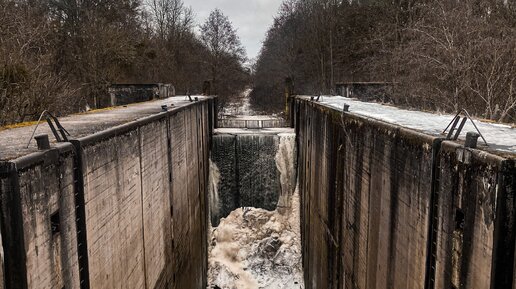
(286, 165)
(214, 179)
(259, 249)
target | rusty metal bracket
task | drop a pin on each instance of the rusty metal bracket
(316, 99)
(462, 116)
(60, 133)
(343, 125)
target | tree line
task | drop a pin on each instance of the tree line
(439, 55)
(60, 55)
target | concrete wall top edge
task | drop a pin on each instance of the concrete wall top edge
(473, 154)
(241, 131)
(27, 157)
(489, 154)
(122, 129)
(407, 134)
(125, 128)
(25, 162)
(13, 142)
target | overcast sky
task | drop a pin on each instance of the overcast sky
(251, 18)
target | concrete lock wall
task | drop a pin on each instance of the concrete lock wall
(124, 208)
(388, 207)
(37, 191)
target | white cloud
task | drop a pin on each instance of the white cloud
(251, 18)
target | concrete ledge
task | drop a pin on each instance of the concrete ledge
(13, 142)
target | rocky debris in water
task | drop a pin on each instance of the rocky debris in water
(255, 248)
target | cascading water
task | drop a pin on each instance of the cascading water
(286, 165)
(214, 179)
(256, 248)
(249, 162)
(258, 176)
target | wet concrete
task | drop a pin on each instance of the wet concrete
(246, 160)
(122, 205)
(384, 206)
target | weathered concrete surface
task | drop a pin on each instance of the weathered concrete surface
(475, 245)
(2, 270)
(33, 190)
(252, 122)
(190, 173)
(382, 206)
(500, 137)
(131, 212)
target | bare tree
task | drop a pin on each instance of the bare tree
(28, 85)
(63, 54)
(440, 54)
(227, 54)
(218, 34)
(170, 17)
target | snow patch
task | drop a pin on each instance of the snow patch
(500, 137)
(241, 105)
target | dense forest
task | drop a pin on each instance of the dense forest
(62, 54)
(439, 55)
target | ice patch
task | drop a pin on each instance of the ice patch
(500, 137)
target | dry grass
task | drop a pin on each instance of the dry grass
(18, 125)
(30, 123)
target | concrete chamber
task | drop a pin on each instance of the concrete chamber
(256, 168)
(255, 239)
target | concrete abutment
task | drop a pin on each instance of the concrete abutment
(130, 201)
(389, 207)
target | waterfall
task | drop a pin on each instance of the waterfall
(258, 178)
(214, 179)
(286, 165)
(255, 169)
(257, 243)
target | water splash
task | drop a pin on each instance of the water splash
(257, 249)
(286, 165)
(214, 179)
